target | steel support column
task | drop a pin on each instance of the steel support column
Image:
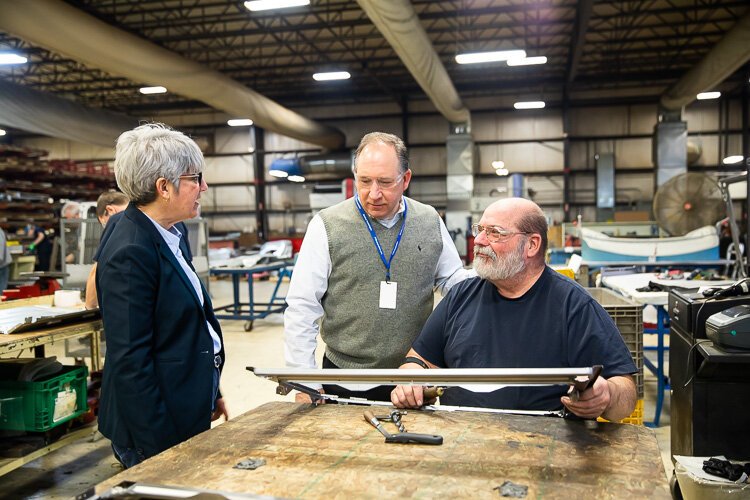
(259, 166)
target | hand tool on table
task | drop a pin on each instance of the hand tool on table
(395, 417)
(580, 384)
(402, 437)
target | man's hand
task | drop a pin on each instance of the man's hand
(221, 409)
(592, 402)
(407, 396)
(301, 397)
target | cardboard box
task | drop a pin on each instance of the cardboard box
(633, 216)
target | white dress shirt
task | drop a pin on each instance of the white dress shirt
(308, 286)
(172, 239)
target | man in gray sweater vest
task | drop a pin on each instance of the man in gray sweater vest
(367, 270)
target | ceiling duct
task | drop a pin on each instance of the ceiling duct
(337, 164)
(399, 24)
(27, 109)
(725, 58)
(66, 30)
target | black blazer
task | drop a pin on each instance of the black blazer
(158, 373)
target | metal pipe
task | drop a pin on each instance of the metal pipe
(439, 376)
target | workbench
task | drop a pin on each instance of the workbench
(14, 342)
(252, 310)
(330, 451)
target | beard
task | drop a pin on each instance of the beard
(500, 267)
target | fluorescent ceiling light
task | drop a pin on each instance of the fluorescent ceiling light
(731, 160)
(258, 5)
(281, 174)
(240, 122)
(529, 105)
(501, 171)
(498, 164)
(2, 132)
(296, 178)
(527, 61)
(332, 75)
(708, 95)
(11, 58)
(153, 90)
(483, 57)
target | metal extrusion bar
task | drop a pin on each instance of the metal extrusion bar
(439, 376)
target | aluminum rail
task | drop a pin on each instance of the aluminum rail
(440, 376)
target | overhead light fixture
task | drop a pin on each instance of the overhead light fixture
(708, 95)
(498, 164)
(501, 171)
(2, 132)
(527, 61)
(331, 75)
(281, 174)
(296, 178)
(529, 105)
(258, 5)
(153, 90)
(731, 160)
(11, 58)
(483, 57)
(240, 122)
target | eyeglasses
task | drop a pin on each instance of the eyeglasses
(368, 183)
(494, 234)
(196, 177)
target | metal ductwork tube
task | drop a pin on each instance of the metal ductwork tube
(725, 58)
(63, 29)
(313, 165)
(400, 25)
(27, 109)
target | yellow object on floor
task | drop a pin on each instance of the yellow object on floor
(635, 418)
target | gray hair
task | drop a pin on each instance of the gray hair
(71, 209)
(151, 151)
(392, 140)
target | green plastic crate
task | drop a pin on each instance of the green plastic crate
(41, 405)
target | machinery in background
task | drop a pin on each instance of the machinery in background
(709, 384)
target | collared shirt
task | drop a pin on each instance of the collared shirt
(307, 289)
(172, 239)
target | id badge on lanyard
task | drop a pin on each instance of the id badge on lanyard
(388, 288)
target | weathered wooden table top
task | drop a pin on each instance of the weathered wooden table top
(330, 451)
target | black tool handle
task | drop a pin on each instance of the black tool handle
(413, 438)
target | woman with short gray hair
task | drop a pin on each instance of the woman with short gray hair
(164, 345)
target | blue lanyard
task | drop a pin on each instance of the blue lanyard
(374, 236)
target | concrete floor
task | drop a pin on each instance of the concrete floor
(75, 468)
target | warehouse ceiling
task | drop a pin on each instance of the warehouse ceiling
(598, 50)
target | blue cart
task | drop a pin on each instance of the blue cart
(251, 310)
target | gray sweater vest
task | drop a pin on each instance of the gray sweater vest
(359, 334)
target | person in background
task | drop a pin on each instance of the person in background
(71, 210)
(41, 246)
(108, 204)
(165, 350)
(5, 261)
(367, 271)
(519, 313)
